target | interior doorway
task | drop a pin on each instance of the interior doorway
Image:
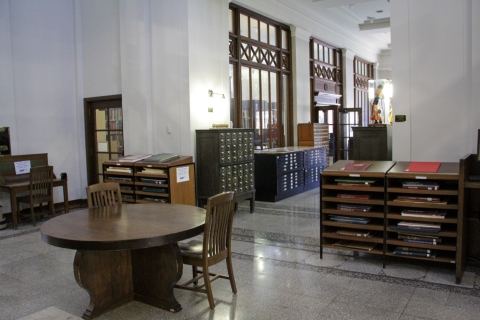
(103, 133)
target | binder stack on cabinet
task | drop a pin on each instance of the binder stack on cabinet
(224, 159)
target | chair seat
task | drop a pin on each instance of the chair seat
(193, 248)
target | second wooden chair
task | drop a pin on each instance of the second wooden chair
(104, 194)
(215, 247)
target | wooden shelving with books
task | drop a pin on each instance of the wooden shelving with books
(121, 172)
(159, 178)
(424, 218)
(170, 181)
(352, 206)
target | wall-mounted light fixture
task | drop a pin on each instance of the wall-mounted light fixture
(212, 94)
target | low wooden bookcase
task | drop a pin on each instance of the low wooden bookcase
(143, 181)
(389, 211)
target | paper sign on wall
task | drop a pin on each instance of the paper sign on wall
(183, 174)
(22, 167)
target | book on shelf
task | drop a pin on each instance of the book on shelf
(356, 166)
(155, 181)
(154, 171)
(345, 184)
(119, 178)
(349, 219)
(435, 214)
(155, 199)
(161, 157)
(355, 245)
(119, 169)
(125, 188)
(127, 196)
(355, 233)
(423, 167)
(421, 185)
(355, 182)
(353, 196)
(353, 207)
(416, 236)
(420, 199)
(156, 190)
(417, 226)
(415, 254)
(431, 241)
(413, 249)
(133, 157)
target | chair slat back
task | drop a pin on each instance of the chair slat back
(41, 182)
(104, 195)
(218, 224)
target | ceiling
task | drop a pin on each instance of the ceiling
(371, 16)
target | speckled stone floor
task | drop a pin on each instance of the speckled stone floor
(278, 271)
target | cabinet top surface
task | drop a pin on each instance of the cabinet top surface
(446, 168)
(284, 150)
(223, 129)
(375, 167)
(175, 162)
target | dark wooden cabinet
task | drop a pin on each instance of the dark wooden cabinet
(283, 172)
(372, 143)
(225, 162)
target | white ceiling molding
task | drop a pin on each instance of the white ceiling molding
(375, 25)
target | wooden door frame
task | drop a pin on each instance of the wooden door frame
(91, 161)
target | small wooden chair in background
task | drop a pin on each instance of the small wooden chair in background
(215, 247)
(41, 190)
(104, 194)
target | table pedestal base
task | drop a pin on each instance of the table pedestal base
(113, 278)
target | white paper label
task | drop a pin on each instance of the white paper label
(22, 167)
(183, 174)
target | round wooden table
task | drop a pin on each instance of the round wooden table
(127, 252)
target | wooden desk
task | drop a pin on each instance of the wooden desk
(13, 184)
(21, 183)
(127, 252)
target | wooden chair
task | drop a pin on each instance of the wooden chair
(215, 247)
(41, 190)
(104, 194)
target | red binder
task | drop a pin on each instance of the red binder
(423, 167)
(356, 166)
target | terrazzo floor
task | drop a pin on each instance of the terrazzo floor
(278, 271)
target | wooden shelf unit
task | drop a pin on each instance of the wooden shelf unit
(329, 199)
(451, 249)
(125, 179)
(161, 186)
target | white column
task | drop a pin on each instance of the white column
(348, 83)
(301, 77)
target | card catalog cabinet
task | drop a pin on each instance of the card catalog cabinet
(224, 159)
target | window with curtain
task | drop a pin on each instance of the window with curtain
(260, 80)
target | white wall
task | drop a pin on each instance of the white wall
(38, 84)
(431, 72)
